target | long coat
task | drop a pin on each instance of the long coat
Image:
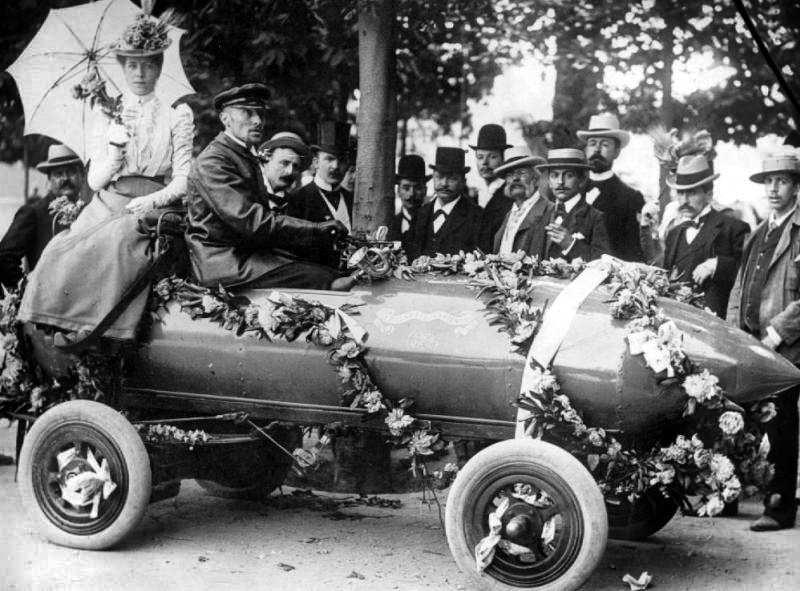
(720, 236)
(459, 231)
(586, 220)
(306, 203)
(231, 233)
(620, 204)
(531, 236)
(494, 213)
(780, 294)
(29, 232)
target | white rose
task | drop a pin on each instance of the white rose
(731, 422)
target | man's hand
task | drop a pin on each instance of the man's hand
(331, 230)
(704, 271)
(558, 234)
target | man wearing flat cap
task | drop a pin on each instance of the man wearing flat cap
(34, 224)
(450, 223)
(489, 150)
(524, 225)
(575, 228)
(233, 237)
(619, 203)
(411, 182)
(284, 158)
(707, 248)
(765, 301)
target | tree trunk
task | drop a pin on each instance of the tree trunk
(377, 115)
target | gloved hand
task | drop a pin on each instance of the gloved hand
(331, 230)
(140, 205)
(117, 135)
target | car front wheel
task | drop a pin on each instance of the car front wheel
(554, 529)
(84, 475)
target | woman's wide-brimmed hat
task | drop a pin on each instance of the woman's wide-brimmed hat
(692, 171)
(58, 155)
(777, 164)
(517, 157)
(449, 160)
(565, 158)
(412, 167)
(147, 36)
(605, 125)
(491, 137)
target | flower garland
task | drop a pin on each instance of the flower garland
(65, 211)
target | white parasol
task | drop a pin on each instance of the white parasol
(70, 44)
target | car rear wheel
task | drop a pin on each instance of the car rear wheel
(252, 472)
(566, 532)
(65, 446)
(642, 518)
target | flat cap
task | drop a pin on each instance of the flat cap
(254, 95)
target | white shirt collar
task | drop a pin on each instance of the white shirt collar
(236, 139)
(323, 185)
(570, 204)
(527, 204)
(138, 99)
(703, 213)
(601, 176)
(488, 192)
(447, 207)
(778, 221)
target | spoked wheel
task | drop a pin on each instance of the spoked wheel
(642, 518)
(554, 530)
(84, 475)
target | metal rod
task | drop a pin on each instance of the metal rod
(231, 416)
(295, 465)
(787, 91)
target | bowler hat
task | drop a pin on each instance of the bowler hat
(287, 139)
(333, 137)
(58, 155)
(491, 137)
(605, 125)
(693, 171)
(449, 160)
(565, 158)
(411, 167)
(253, 95)
(517, 157)
(786, 163)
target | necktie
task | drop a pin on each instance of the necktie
(405, 223)
(438, 220)
(561, 211)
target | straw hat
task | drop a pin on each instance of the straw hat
(58, 155)
(605, 125)
(517, 157)
(775, 164)
(565, 158)
(693, 171)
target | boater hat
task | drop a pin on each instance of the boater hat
(449, 160)
(605, 125)
(333, 137)
(776, 164)
(287, 139)
(253, 96)
(491, 137)
(565, 158)
(58, 155)
(517, 157)
(411, 167)
(693, 171)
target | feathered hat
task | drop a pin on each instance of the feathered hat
(147, 36)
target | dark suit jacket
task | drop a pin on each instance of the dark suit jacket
(620, 204)
(494, 213)
(459, 231)
(231, 233)
(306, 203)
(396, 226)
(29, 232)
(531, 236)
(583, 219)
(720, 236)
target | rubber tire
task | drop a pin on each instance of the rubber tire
(591, 506)
(266, 469)
(652, 513)
(133, 454)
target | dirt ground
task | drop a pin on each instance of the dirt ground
(304, 542)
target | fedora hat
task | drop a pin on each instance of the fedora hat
(411, 167)
(333, 137)
(565, 158)
(58, 155)
(605, 125)
(517, 157)
(786, 163)
(693, 171)
(491, 137)
(449, 160)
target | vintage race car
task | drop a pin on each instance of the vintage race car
(428, 339)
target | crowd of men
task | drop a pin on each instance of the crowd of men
(253, 222)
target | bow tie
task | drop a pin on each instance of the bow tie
(696, 223)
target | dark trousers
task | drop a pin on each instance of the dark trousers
(783, 432)
(297, 274)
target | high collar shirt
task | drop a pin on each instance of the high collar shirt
(601, 176)
(485, 194)
(515, 217)
(776, 222)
